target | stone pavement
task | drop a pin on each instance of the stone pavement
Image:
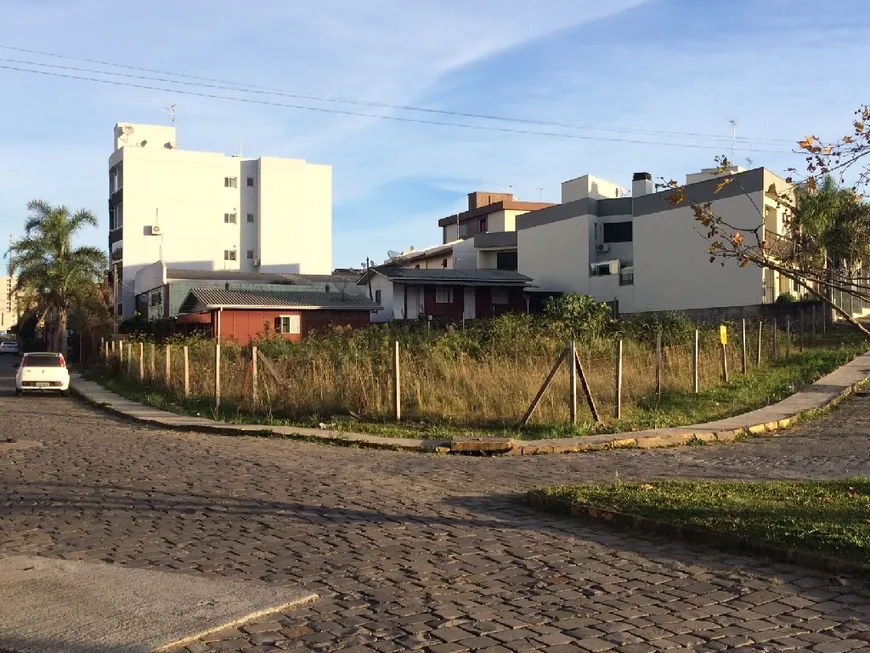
(417, 551)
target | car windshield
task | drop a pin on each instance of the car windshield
(46, 360)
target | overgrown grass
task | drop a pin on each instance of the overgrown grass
(830, 518)
(481, 381)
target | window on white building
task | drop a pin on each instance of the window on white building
(377, 297)
(250, 254)
(250, 182)
(250, 217)
(288, 324)
(444, 295)
(499, 295)
(229, 255)
(231, 182)
(230, 218)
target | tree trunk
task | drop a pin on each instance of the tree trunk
(60, 342)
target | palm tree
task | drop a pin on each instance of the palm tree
(49, 268)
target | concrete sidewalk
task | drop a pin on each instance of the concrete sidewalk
(822, 394)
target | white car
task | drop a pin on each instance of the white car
(9, 347)
(40, 372)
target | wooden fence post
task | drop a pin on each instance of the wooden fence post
(659, 366)
(724, 362)
(572, 383)
(775, 353)
(803, 328)
(546, 384)
(397, 383)
(695, 354)
(743, 347)
(141, 362)
(129, 357)
(217, 374)
(254, 375)
(760, 343)
(186, 355)
(814, 321)
(168, 371)
(618, 410)
(151, 363)
(788, 336)
(106, 352)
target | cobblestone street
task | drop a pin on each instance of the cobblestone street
(411, 551)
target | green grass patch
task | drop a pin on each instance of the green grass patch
(830, 518)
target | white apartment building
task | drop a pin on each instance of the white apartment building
(209, 211)
(8, 304)
(645, 253)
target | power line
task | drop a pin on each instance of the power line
(266, 90)
(375, 116)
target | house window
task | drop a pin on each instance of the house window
(288, 324)
(444, 264)
(617, 232)
(229, 255)
(250, 217)
(462, 230)
(482, 226)
(601, 270)
(377, 297)
(230, 218)
(116, 217)
(500, 296)
(250, 182)
(506, 261)
(231, 182)
(250, 254)
(156, 298)
(444, 295)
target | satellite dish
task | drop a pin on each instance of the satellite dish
(171, 145)
(127, 129)
(393, 254)
(143, 143)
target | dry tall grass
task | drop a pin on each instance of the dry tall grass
(442, 381)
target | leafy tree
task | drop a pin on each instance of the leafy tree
(59, 278)
(580, 314)
(826, 239)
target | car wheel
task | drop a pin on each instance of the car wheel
(18, 392)
(64, 393)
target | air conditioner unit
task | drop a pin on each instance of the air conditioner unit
(257, 262)
(155, 230)
(602, 247)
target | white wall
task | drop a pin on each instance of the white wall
(150, 277)
(386, 287)
(588, 186)
(672, 268)
(556, 255)
(295, 216)
(464, 256)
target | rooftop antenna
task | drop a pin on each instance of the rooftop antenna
(540, 194)
(171, 111)
(734, 124)
(749, 158)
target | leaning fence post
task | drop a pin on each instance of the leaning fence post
(141, 362)
(397, 385)
(572, 383)
(185, 350)
(618, 410)
(659, 365)
(695, 354)
(760, 342)
(168, 371)
(217, 374)
(743, 347)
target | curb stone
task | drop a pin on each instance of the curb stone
(767, 421)
(696, 535)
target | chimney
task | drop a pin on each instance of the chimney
(641, 184)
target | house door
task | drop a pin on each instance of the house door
(469, 312)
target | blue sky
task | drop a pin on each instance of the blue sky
(781, 67)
